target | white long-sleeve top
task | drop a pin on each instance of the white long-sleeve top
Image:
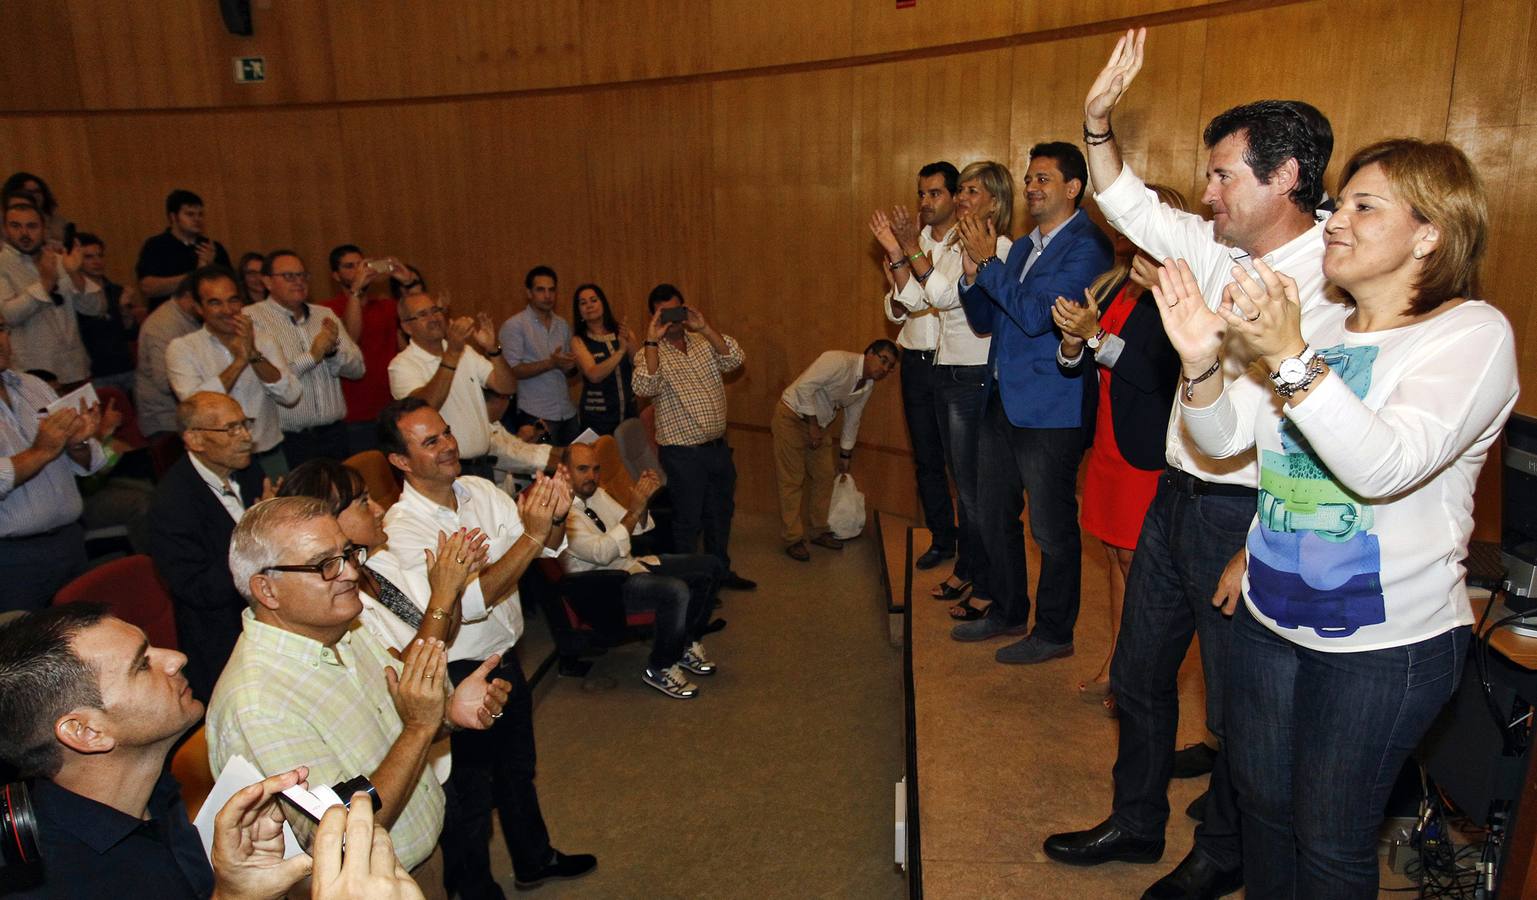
(1166, 232)
(590, 547)
(829, 384)
(1366, 485)
(940, 295)
(195, 360)
(44, 334)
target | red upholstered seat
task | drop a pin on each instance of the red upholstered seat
(131, 587)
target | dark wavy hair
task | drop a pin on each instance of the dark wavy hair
(1275, 131)
(578, 324)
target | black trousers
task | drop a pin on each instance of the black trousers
(702, 483)
(321, 442)
(494, 768)
(920, 408)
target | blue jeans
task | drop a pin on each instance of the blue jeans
(681, 590)
(1187, 539)
(1317, 740)
(924, 431)
(958, 400)
(1041, 462)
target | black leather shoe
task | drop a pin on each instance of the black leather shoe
(560, 866)
(1193, 761)
(933, 557)
(735, 582)
(1101, 844)
(1195, 878)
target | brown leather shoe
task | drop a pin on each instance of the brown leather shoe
(798, 551)
(826, 539)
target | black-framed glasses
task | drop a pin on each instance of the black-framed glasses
(429, 311)
(330, 568)
(292, 277)
(233, 428)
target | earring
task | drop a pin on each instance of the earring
(1418, 253)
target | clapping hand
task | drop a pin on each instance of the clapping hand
(978, 238)
(111, 420)
(459, 557)
(904, 229)
(479, 699)
(459, 332)
(1266, 316)
(54, 430)
(880, 226)
(325, 340)
(1195, 331)
(1077, 320)
(86, 424)
(485, 332)
(417, 689)
(1144, 271)
(1113, 80)
(536, 507)
(648, 484)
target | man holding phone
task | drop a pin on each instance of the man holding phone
(42, 287)
(680, 367)
(169, 256)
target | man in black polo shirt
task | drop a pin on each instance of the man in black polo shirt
(167, 257)
(90, 711)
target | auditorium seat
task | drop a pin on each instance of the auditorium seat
(585, 611)
(132, 589)
(638, 448)
(378, 474)
(616, 477)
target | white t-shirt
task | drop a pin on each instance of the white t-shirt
(465, 407)
(1366, 486)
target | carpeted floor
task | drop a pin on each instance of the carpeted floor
(777, 781)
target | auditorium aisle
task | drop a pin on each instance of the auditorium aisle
(777, 781)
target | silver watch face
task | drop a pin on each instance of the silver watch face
(1292, 370)
(1093, 342)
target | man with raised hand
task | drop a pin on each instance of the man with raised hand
(1264, 177)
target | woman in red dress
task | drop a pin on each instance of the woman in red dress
(1118, 329)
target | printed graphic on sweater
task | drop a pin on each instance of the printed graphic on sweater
(1313, 561)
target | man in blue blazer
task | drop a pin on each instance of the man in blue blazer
(1034, 427)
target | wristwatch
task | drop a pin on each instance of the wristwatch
(1297, 372)
(1097, 340)
(255, 358)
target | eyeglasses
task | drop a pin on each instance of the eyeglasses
(292, 277)
(330, 568)
(429, 311)
(233, 428)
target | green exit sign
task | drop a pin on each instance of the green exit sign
(250, 69)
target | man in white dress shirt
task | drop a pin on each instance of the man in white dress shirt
(41, 290)
(1264, 179)
(494, 767)
(838, 379)
(228, 355)
(320, 354)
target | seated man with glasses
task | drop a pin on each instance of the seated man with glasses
(196, 506)
(446, 365)
(305, 686)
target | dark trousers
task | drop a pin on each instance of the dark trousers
(682, 592)
(495, 768)
(927, 437)
(958, 399)
(1186, 540)
(1318, 740)
(561, 431)
(702, 482)
(34, 568)
(1042, 462)
(321, 442)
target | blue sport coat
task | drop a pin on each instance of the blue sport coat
(1036, 392)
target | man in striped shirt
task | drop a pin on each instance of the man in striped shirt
(320, 354)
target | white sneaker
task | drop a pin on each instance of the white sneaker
(671, 682)
(695, 661)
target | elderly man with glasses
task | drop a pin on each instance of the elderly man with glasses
(447, 365)
(306, 687)
(194, 512)
(320, 354)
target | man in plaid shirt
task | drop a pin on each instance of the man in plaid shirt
(680, 368)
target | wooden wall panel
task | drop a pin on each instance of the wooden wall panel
(749, 33)
(785, 227)
(882, 28)
(59, 149)
(651, 173)
(1034, 15)
(142, 55)
(37, 69)
(628, 40)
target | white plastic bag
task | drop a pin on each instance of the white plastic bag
(846, 515)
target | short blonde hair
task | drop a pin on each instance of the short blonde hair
(1442, 188)
(995, 177)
